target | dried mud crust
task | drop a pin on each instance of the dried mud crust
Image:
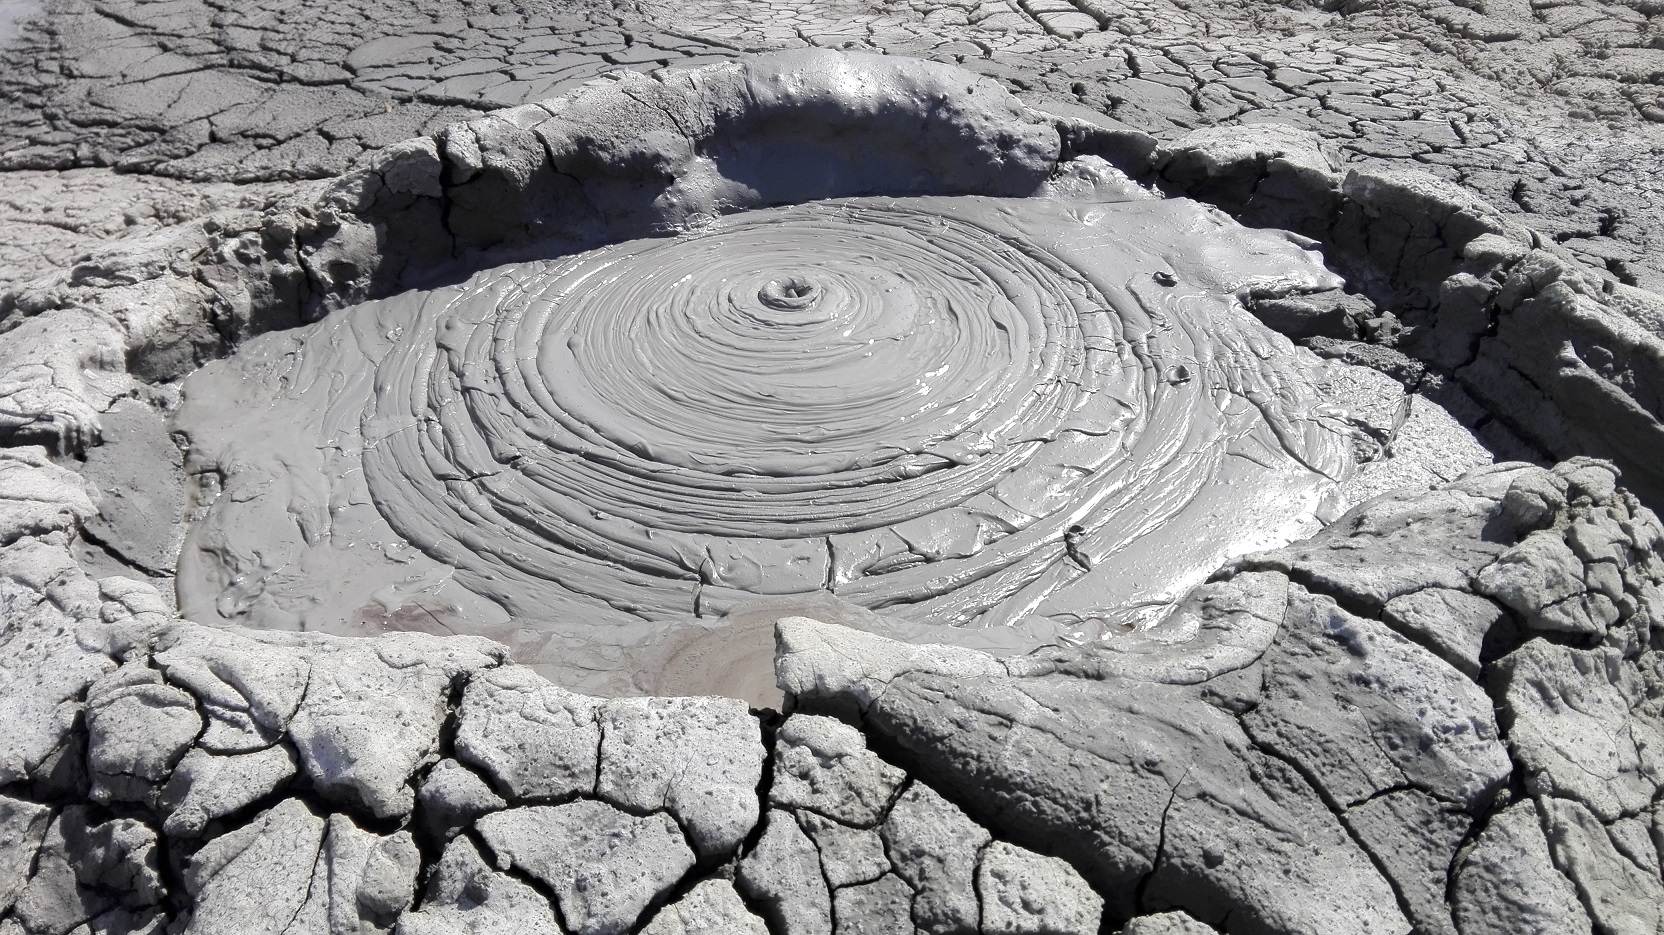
(1548, 110)
(1440, 714)
(1351, 749)
(49, 219)
(1442, 711)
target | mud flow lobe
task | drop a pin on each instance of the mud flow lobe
(1002, 421)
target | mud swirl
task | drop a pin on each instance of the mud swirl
(928, 405)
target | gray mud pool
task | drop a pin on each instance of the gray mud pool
(962, 412)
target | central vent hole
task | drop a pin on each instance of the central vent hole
(789, 292)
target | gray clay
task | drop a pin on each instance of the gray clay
(884, 400)
(1013, 467)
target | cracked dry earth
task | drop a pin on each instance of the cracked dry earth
(1426, 701)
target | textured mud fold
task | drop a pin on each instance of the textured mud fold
(1438, 714)
(1351, 748)
(1345, 731)
(973, 413)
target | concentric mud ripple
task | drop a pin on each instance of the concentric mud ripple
(959, 411)
(894, 403)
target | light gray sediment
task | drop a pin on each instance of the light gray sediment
(965, 411)
(1367, 731)
(13, 14)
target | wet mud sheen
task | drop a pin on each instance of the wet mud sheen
(1005, 421)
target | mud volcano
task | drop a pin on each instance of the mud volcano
(973, 414)
(892, 508)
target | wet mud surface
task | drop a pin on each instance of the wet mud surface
(12, 13)
(963, 412)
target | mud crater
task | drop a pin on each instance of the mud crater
(1010, 422)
